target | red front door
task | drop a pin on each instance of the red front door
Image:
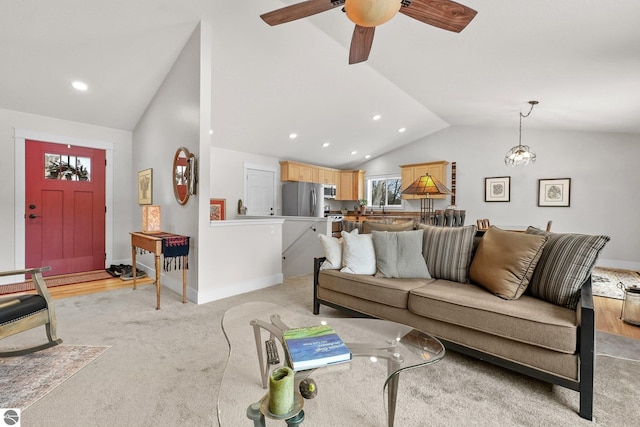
(65, 207)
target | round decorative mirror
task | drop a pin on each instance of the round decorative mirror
(182, 175)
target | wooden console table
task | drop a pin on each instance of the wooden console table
(153, 244)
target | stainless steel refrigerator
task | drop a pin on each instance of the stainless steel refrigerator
(302, 199)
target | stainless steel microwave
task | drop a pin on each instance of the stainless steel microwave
(329, 191)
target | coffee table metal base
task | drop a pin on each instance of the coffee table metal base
(254, 414)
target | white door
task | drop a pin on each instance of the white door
(260, 192)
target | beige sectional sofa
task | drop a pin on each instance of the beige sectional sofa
(546, 331)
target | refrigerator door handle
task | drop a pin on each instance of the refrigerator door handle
(313, 202)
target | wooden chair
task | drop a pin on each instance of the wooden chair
(483, 224)
(23, 312)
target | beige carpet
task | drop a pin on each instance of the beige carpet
(164, 368)
(25, 379)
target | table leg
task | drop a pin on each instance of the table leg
(133, 257)
(253, 413)
(184, 279)
(157, 281)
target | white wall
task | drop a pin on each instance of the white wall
(227, 176)
(602, 167)
(171, 121)
(12, 251)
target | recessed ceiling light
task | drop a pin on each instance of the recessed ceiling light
(377, 117)
(293, 135)
(354, 152)
(368, 156)
(402, 130)
(210, 131)
(326, 144)
(78, 85)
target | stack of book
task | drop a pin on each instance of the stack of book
(313, 347)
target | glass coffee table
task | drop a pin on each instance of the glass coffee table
(347, 392)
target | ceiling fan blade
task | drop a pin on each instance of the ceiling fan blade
(361, 44)
(445, 14)
(299, 10)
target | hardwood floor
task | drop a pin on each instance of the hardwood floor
(608, 318)
(78, 289)
(607, 309)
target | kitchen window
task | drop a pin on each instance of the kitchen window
(384, 191)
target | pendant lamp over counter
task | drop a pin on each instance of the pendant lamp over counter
(521, 154)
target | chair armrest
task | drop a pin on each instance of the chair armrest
(38, 280)
(24, 271)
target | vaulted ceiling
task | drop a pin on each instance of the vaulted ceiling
(579, 58)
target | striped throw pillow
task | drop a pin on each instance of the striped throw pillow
(448, 250)
(566, 262)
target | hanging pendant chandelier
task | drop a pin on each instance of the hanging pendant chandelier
(521, 154)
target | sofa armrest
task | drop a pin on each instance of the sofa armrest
(317, 262)
(586, 319)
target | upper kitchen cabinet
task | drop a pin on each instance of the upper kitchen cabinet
(350, 185)
(409, 173)
(327, 176)
(293, 171)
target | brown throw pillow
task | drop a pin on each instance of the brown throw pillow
(505, 261)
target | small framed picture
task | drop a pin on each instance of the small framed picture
(145, 187)
(497, 189)
(554, 192)
(217, 209)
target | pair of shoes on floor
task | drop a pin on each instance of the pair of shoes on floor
(127, 273)
(116, 270)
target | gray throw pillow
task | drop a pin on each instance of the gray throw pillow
(399, 254)
(447, 251)
(566, 262)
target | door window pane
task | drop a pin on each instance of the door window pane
(70, 168)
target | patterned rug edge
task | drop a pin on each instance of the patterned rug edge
(54, 281)
(32, 394)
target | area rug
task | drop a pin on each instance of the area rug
(26, 379)
(605, 281)
(56, 281)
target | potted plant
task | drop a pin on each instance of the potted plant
(363, 204)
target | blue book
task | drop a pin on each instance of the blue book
(314, 346)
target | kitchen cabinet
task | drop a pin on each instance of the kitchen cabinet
(293, 171)
(327, 176)
(409, 173)
(350, 185)
(302, 172)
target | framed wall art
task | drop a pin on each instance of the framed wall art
(554, 192)
(145, 187)
(217, 209)
(497, 189)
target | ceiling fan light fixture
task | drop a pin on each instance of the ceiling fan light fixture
(371, 13)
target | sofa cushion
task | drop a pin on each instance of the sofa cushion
(447, 251)
(566, 262)
(399, 254)
(505, 260)
(390, 292)
(369, 226)
(527, 319)
(358, 256)
(332, 248)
